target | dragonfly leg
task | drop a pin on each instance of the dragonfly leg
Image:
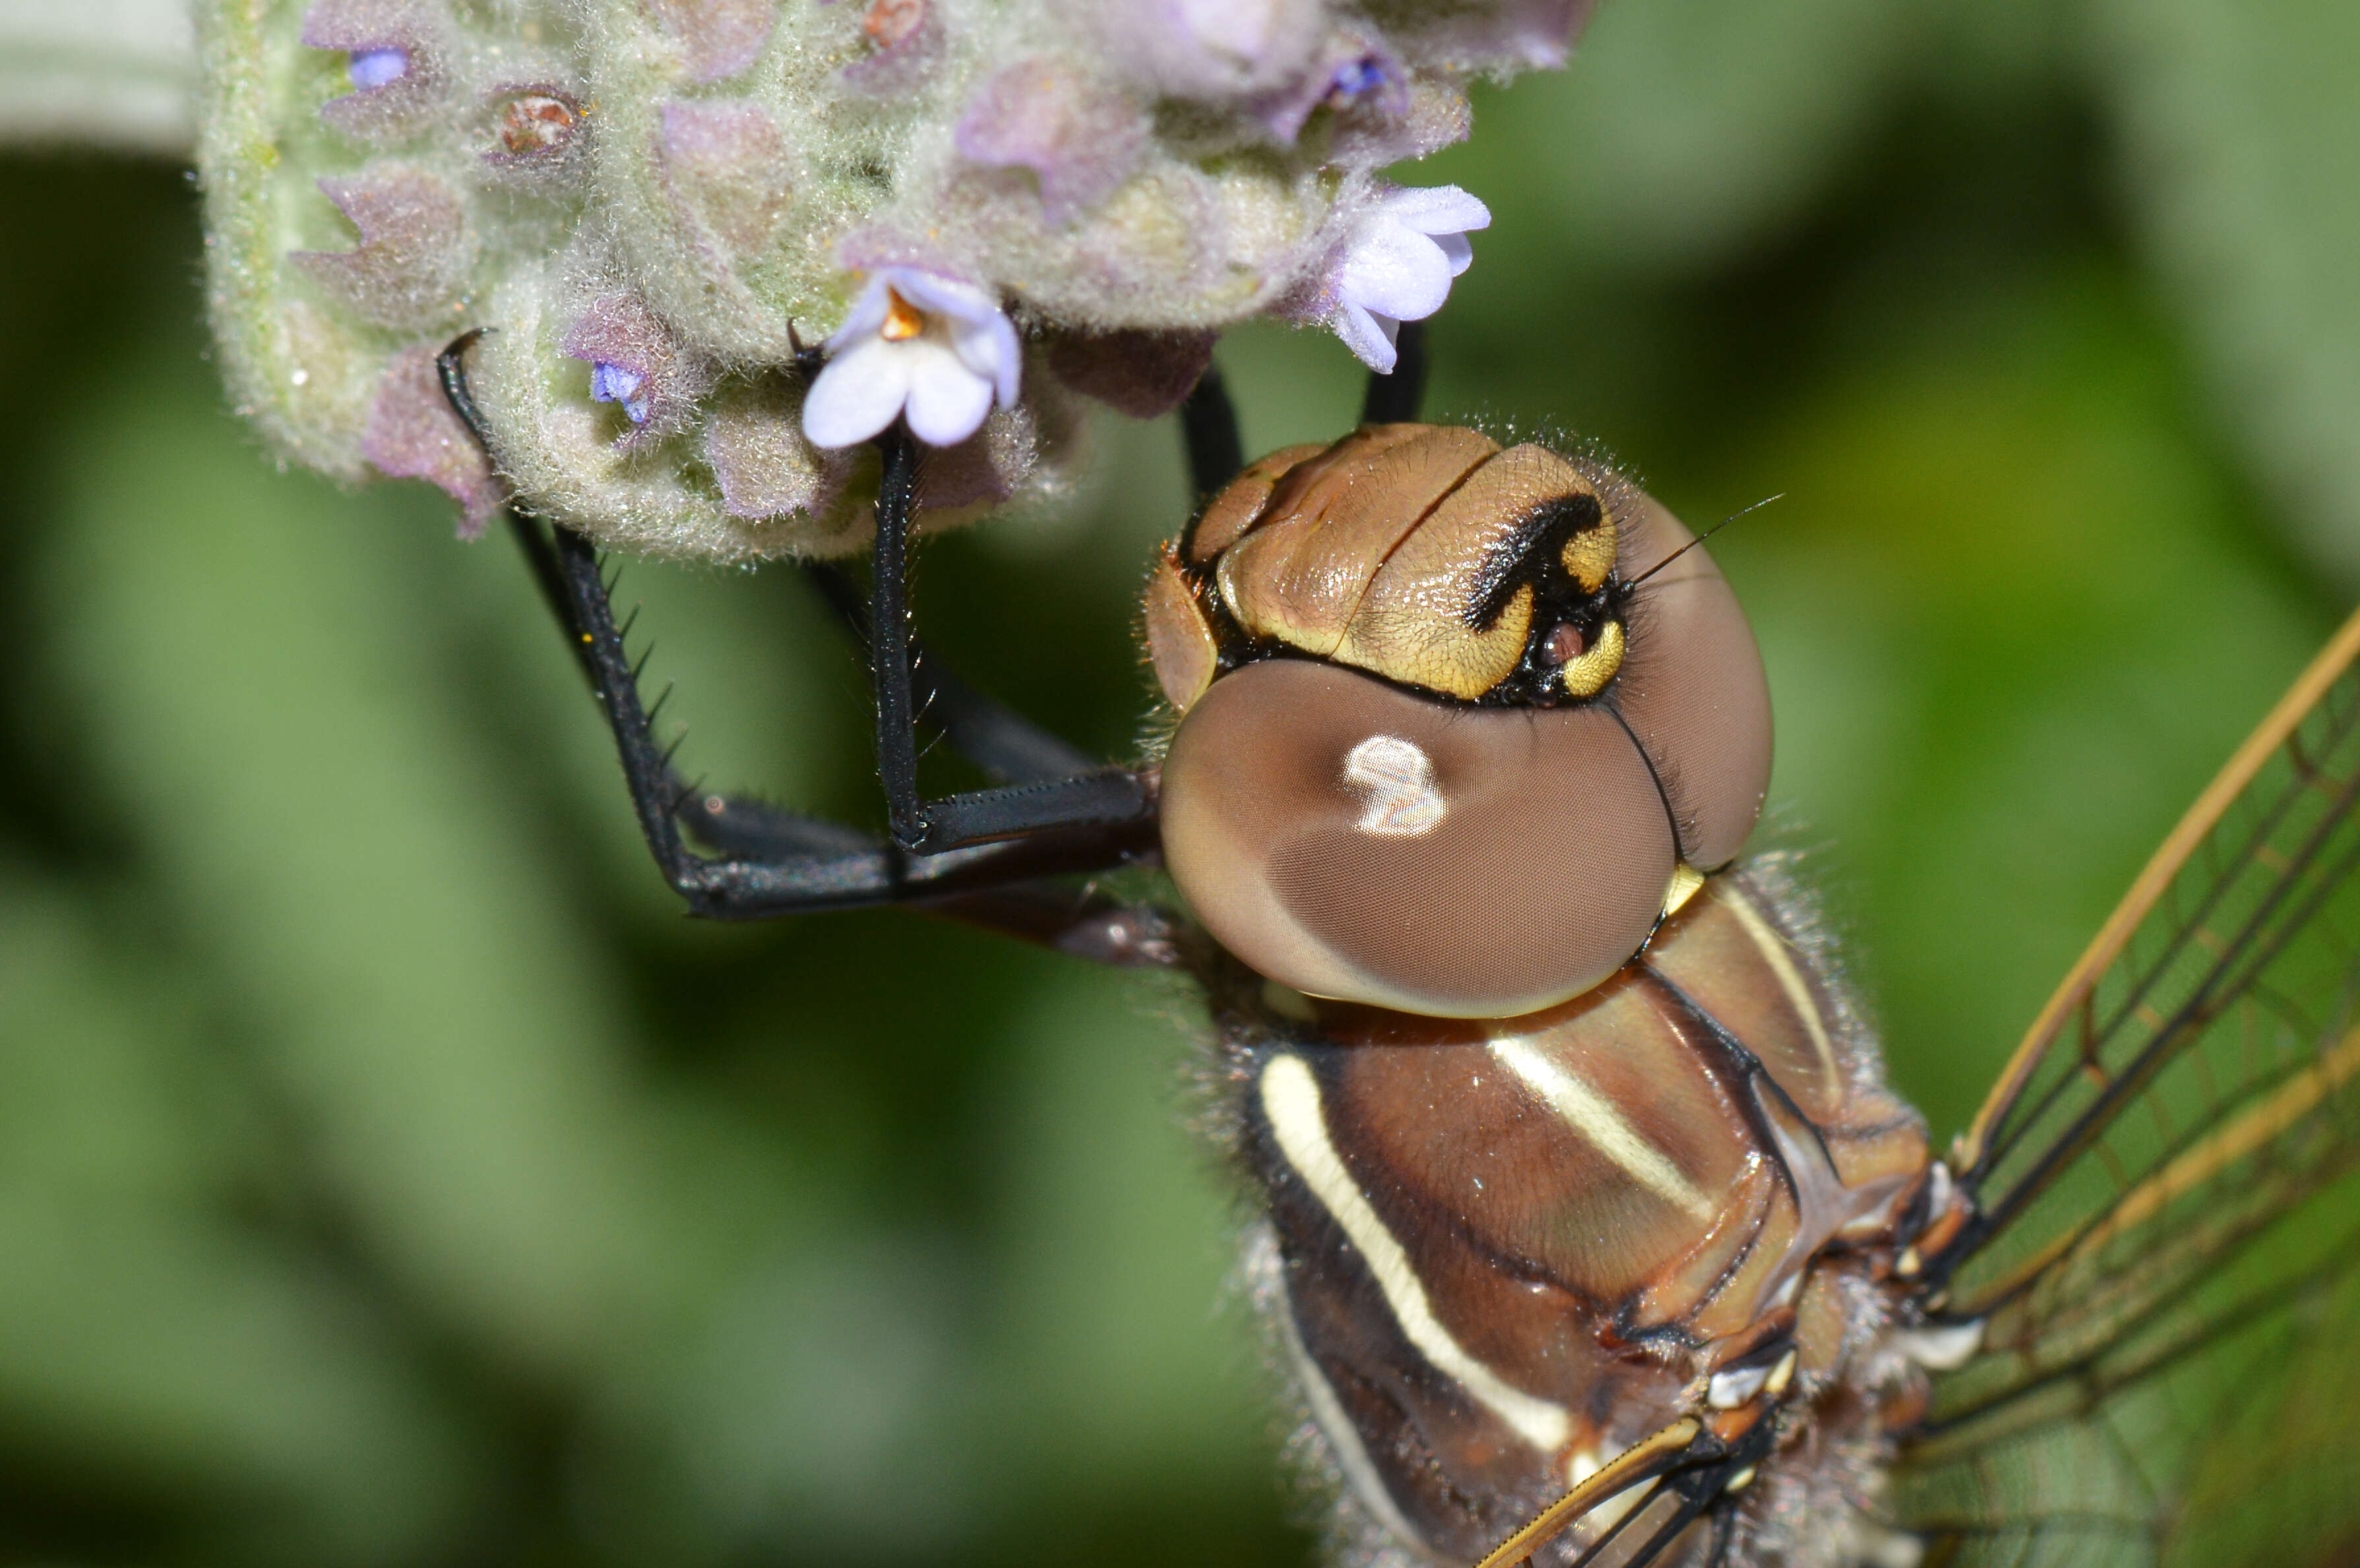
(1209, 429)
(779, 862)
(987, 732)
(1098, 797)
(776, 862)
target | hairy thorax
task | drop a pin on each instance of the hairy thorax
(1500, 1251)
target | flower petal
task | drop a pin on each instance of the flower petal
(868, 313)
(614, 383)
(940, 295)
(988, 349)
(1436, 209)
(635, 360)
(1394, 271)
(947, 400)
(858, 393)
(1369, 336)
(1456, 252)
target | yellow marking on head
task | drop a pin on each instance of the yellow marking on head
(1772, 948)
(1593, 1116)
(1686, 881)
(1587, 675)
(1432, 647)
(1589, 555)
(1290, 1097)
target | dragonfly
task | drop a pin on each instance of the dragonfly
(1591, 1233)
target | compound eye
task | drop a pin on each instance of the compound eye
(1693, 690)
(1352, 840)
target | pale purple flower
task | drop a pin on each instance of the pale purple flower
(1396, 265)
(635, 360)
(395, 55)
(1357, 78)
(370, 69)
(918, 346)
(619, 384)
(1357, 75)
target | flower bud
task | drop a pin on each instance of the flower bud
(411, 266)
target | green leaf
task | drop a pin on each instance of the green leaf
(1686, 128)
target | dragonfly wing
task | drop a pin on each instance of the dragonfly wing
(2166, 1190)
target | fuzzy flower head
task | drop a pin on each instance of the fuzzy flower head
(918, 346)
(656, 206)
(1396, 265)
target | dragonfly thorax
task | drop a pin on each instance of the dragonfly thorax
(1505, 1250)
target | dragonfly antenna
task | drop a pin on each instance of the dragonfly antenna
(1706, 535)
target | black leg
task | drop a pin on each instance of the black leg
(1105, 796)
(889, 639)
(988, 732)
(1394, 398)
(782, 863)
(805, 865)
(1724, 1532)
(1209, 425)
(1087, 924)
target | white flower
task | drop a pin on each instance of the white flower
(918, 344)
(1397, 265)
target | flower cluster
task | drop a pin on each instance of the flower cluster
(984, 210)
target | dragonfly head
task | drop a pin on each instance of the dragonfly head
(1450, 741)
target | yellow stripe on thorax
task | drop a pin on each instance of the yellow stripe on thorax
(1772, 949)
(1593, 1116)
(1290, 1097)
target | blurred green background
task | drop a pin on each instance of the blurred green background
(389, 1175)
